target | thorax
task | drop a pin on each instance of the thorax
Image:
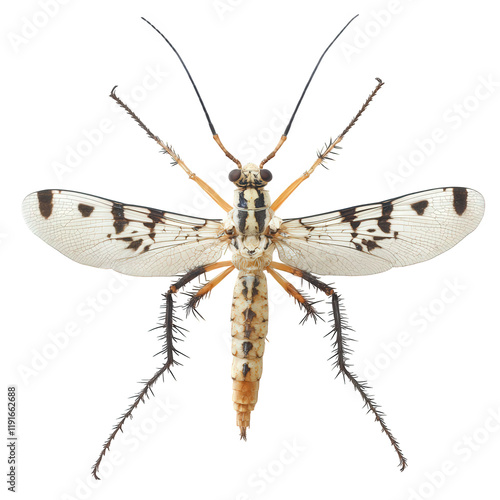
(251, 246)
(251, 214)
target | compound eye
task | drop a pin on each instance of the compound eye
(234, 175)
(265, 175)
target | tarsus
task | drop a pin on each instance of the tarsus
(341, 350)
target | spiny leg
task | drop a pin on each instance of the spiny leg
(341, 363)
(310, 278)
(198, 294)
(198, 271)
(175, 157)
(324, 154)
(341, 351)
(168, 320)
(303, 301)
(170, 351)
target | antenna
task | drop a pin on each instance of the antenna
(285, 134)
(210, 124)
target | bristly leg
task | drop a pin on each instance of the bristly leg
(323, 155)
(341, 363)
(369, 99)
(166, 147)
(195, 296)
(170, 328)
(305, 276)
(341, 350)
(326, 153)
(176, 159)
(308, 306)
(170, 351)
(304, 302)
(202, 291)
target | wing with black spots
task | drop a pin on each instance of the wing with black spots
(373, 238)
(130, 239)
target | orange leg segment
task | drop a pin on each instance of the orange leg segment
(214, 282)
(177, 159)
(313, 280)
(304, 303)
(289, 288)
(321, 157)
(195, 297)
(295, 184)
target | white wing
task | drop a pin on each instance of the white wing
(133, 240)
(373, 238)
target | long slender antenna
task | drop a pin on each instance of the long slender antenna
(285, 133)
(312, 74)
(212, 128)
(210, 124)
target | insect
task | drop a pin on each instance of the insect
(362, 240)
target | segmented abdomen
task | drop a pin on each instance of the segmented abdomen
(249, 316)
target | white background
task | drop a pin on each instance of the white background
(250, 61)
